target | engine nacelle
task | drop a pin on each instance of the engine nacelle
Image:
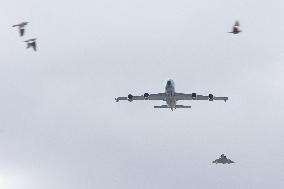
(146, 96)
(193, 95)
(211, 97)
(130, 97)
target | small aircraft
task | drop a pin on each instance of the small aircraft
(31, 43)
(171, 97)
(21, 27)
(223, 159)
(236, 28)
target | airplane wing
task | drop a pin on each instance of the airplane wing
(158, 96)
(130, 98)
(194, 96)
(230, 161)
(215, 161)
(146, 96)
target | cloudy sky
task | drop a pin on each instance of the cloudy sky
(60, 127)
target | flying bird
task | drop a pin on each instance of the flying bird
(22, 27)
(236, 28)
(31, 43)
(223, 159)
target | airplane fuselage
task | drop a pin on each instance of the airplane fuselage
(170, 92)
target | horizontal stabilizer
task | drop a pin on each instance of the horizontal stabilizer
(177, 106)
(182, 106)
(163, 106)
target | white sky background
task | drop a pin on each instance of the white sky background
(61, 128)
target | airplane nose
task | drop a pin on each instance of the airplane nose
(169, 83)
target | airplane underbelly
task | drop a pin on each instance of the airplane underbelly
(171, 102)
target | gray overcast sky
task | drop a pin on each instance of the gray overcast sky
(60, 127)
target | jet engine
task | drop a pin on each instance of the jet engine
(211, 97)
(130, 97)
(193, 95)
(146, 96)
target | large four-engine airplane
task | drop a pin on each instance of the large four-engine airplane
(171, 97)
